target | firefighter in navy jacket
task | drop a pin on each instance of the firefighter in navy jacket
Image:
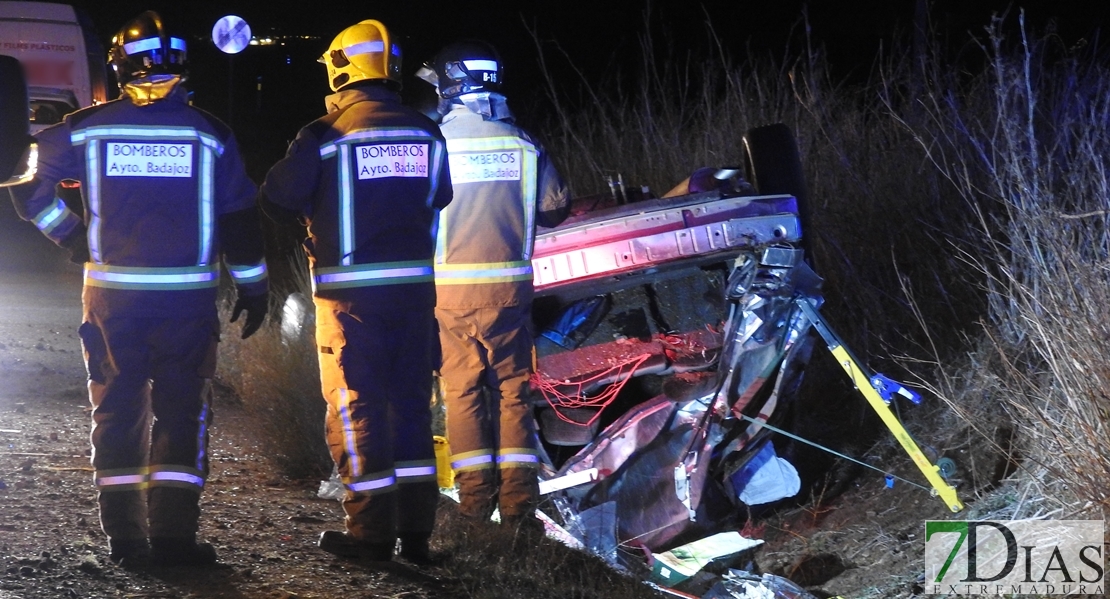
(166, 198)
(505, 186)
(369, 179)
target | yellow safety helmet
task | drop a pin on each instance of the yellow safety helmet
(362, 52)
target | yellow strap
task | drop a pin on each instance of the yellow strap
(863, 383)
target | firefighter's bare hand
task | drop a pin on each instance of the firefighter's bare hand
(256, 307)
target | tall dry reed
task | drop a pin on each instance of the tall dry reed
(1026, 142)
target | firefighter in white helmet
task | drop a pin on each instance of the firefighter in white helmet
(505, 186)
(369, 179)
(166, 198)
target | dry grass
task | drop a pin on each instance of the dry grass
(1026, 143)
(277, 377)
(490, 562)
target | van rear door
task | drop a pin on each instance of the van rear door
(53, 45)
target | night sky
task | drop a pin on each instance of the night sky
(598, 37)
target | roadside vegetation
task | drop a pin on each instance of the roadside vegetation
(959, 199)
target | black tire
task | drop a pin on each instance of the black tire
(13, 116)
(774, 167)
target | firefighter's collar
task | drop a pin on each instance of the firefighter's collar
(152, 89)
(359, 93)
(492, 107)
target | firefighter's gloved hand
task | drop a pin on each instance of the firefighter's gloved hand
(256, 307)
(78, 245)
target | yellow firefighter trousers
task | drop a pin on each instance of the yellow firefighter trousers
(487, 364)
(376, 376)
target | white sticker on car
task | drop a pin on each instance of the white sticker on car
(476, 167)
(148, 160)
(391, 160)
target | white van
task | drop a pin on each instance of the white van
(62, 57)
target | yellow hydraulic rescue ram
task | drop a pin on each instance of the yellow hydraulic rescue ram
(861, 379)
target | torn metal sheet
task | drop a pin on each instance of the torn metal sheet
(654, 462)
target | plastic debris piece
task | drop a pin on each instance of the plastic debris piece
(678, 564)
(570, 480)
(296, 314)
(332, 488)
(576, 322)
(766, 478)
(682, 490)
(738, 584)
(889, 481)
(445, 475)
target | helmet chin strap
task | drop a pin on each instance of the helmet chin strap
(151, 89)
(493, 106)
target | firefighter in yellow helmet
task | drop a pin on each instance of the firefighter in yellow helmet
(369, 179)
(505, 186)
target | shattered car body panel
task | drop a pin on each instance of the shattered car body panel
(655, 463)
(659, 234)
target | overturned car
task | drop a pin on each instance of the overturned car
(671, 334)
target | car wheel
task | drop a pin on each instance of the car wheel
(775, 167)
(13, 117)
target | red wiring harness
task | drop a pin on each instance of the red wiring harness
(553, 393)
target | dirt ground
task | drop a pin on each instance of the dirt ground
(50, 542)
(864, 543)
(867, 542)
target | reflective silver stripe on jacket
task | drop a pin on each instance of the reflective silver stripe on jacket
(518, 457)
(247, 274)
(175, 478)
(152, 279)
(369, 275)
(52, 216)
(415, 471)
(491, 272)
(121, 479)
(349, 441)
(379, 481)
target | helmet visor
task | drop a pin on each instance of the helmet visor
(428, 73)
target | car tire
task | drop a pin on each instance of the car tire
(774, 166)
(13, 116)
